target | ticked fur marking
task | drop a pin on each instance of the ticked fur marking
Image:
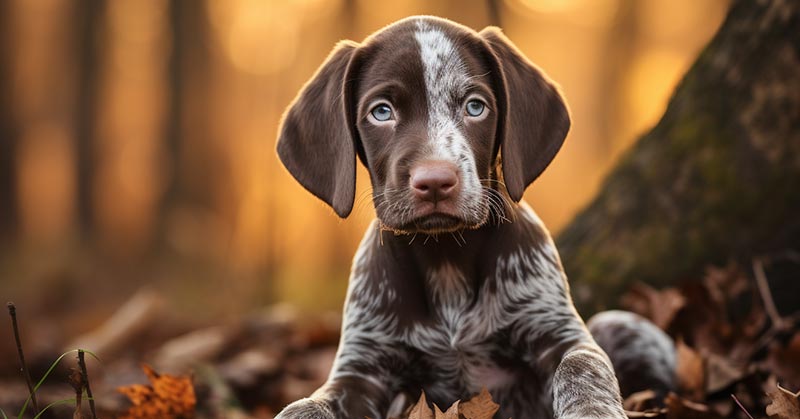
(491, 309)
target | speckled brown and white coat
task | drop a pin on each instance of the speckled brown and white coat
(457, 285)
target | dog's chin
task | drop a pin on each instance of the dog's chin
(436, 223)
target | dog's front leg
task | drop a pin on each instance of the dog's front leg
(361, 381)
(342, 397)
(584, 385)
(357, 386)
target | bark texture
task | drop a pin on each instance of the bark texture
(718, 177)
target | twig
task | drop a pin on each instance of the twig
(12, 311)
(766, 294)
(77, 383)
(741, 407)
(82, 364)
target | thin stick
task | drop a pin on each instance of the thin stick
(766, 294)
(12, 311)
(76, 380)
(82, 364)
(741, 407)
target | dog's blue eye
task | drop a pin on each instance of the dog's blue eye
(382, 112)
(475, 107)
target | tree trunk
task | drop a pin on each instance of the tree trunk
(718, 178)
(89, 17)
(8, 134)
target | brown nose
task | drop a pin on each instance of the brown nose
(434, 181)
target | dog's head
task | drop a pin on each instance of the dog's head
(427, 105)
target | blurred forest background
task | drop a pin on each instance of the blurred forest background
(137, 139)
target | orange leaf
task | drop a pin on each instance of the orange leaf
(480, 407)
(166, 397)
(690, 371)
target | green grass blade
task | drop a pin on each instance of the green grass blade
(3, 413)
(47, 373)
(55, 403)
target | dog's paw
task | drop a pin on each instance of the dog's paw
(307, 409)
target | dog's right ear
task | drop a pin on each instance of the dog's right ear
(316, 141)
(534, 117)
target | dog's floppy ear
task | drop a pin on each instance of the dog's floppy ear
(316, 141)
(534, 118)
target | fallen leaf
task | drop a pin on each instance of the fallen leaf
(721, 372)
(785, 404)
(680, 408)
(690, 371)
(638, 401)
(421, 410)
(166, 397)
(725, 284)
(479, 407)
(650, 414)
(660, 307)
(784, 360)
(451, 413)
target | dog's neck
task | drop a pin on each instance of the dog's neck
(463, 259)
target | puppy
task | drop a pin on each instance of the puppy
(457, 285)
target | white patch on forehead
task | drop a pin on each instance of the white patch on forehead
(446, 82)
(445, 73)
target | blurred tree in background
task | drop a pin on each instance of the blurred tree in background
(714, 181)
(137, 138)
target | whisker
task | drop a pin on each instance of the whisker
(499, 204)
(497, 181)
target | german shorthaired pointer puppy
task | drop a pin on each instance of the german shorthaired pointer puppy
(457, 285)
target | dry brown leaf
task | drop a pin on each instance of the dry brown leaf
(785, 404)
(479, 407)
(451, 413)
(660, 306)
(725, 283)
(636, 402)
(650, 414)
(785, 361)
(166, 397)
(690, 371)
(679, 408)
(721, 372)
(421, 410)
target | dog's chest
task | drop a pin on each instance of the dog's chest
(463, 341)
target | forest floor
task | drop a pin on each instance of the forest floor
(737, 358)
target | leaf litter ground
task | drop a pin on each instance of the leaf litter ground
(738, 357)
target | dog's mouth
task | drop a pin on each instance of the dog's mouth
(409, 216)
(434, 223)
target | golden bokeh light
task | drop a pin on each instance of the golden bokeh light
(146, 131)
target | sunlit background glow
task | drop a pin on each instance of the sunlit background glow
(143, 135)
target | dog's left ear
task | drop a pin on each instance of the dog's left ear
(534, 119)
